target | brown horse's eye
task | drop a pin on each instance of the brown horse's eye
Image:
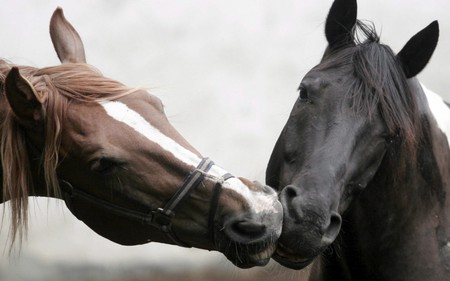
(105, 166)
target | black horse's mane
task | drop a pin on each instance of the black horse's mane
(379, 85)
(381, 77)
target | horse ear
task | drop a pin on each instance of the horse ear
(340, 22)
(25, 102)
(418, 50)
(66, 40)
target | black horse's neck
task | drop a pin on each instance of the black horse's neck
(399, 226)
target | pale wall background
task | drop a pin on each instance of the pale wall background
(227, 72)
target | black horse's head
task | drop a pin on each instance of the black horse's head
(354, 109)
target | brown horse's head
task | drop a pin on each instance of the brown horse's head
(119, 162)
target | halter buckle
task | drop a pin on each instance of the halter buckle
(162, 219)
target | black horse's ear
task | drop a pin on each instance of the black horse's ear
(340, 22)
(418, 50)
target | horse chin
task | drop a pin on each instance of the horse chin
(287, 258)
(248, 260)
(246, 253)
(299, 245)
(249, 239)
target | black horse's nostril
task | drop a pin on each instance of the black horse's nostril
(291, 201)
(290, 192)
(331, 231)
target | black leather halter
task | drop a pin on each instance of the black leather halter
(160, 217)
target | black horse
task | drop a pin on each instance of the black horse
(363, 164)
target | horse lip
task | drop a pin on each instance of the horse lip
(253, 263)
(250, 260)
(284, 250)
(286, 257)
(260, 259)
(265, 254)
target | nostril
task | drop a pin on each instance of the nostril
(333, 228)
(335, 221)
(245, 230)
(249, 228)
(290, 191)
(292, 203)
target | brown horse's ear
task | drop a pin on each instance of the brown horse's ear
(66, 40)
(418, 50)
(25, 102)
(340, 22)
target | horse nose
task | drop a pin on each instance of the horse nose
(259, 223)
(305, 212)
(245, 230)
(248, 228)
(290, 197)
(290, 192)
(258, 187)
(331, 231)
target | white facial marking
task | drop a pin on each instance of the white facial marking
(259, 202)
(122, 113)
(440, 110)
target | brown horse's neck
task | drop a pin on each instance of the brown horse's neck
(407, 236)
(2, 118)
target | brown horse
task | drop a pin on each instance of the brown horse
(109, 151)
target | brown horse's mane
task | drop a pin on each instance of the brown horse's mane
(64, 84)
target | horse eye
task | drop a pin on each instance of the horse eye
(303, 93)
(105, 166)
(391, 138)
(290, 158)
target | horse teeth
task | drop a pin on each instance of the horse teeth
(265, 254)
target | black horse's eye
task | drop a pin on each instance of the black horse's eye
(303, 94)
(290, 157)
(391, 138)
(105, 166)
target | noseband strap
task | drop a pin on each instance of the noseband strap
(160, 217)
(214, 204)
(163, 216)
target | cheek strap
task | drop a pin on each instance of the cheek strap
(214, 203)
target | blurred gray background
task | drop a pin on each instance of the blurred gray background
(227, 72)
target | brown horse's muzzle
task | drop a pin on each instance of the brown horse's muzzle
(247, 234)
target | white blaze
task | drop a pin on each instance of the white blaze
(122, 113)
(258, 201)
